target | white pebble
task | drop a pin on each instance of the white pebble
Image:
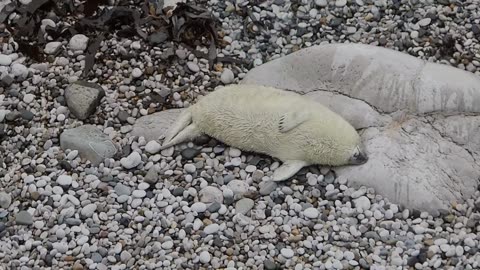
(190, 168)
(28, 98)
(311, 212)
(132, 161)
(227, 76)
(64, 180)
(211, 229)
(88, 209)
(5, 60)
(139, 193)
(199, 207)
(152, 147)
(205, 257)
(287, 253)
(78, 42)
(136, 73)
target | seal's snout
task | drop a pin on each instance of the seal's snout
(360, 157)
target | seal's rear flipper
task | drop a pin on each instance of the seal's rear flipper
(291, 120)
(182, 122)
(288, 169)
(188, 133)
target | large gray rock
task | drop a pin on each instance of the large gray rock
(419, 121)
(91, 143)
(153, 126)
(83, 98)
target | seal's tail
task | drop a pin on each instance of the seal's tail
(182, 130)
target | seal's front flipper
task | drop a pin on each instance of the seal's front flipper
(180, 123)
(188, 133)
(290, 120)
(288, 169)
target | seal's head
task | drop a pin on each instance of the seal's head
(336, 144)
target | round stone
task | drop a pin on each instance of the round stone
(64, 180)
(28, 98)
(190, 168)
(125, 256)
(311, 213)
(5, 60)
(211, 229)
(424, 22)
(250, 169)
(152, 147)
(121, 189)
(244, 205)
(199, 207)
(362, 202)
(193, 67)
(139, 193)
(321, 3)
(227, 76)
(210, 194)
(131, 161)
(78, 42)
(238, 187)
(19, 70)
(5, 200)
(340, 3)
(137, 73)
(234, 152)
(287, 253)
(89, 209)
(204, 257)
(267, 187)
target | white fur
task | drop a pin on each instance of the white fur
(248, 117)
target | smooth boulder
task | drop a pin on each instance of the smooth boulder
(90, 142)
(419, 120)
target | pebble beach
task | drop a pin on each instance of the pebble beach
(204, 204)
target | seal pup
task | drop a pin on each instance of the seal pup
(279, 123)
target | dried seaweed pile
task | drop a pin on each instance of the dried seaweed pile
(187, 23)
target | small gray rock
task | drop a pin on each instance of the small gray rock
(88, 210)
(151, 177)
(267, 187)
(238, 187)
(121, 189)
(73, 221)
(210, 194)
(270, 265)
(214, 207)
(244, 205)
(91, 143)
(96, 257)
(83, 98)
(24, 218)
(321, 3)
(193, 67)
(5, 200)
